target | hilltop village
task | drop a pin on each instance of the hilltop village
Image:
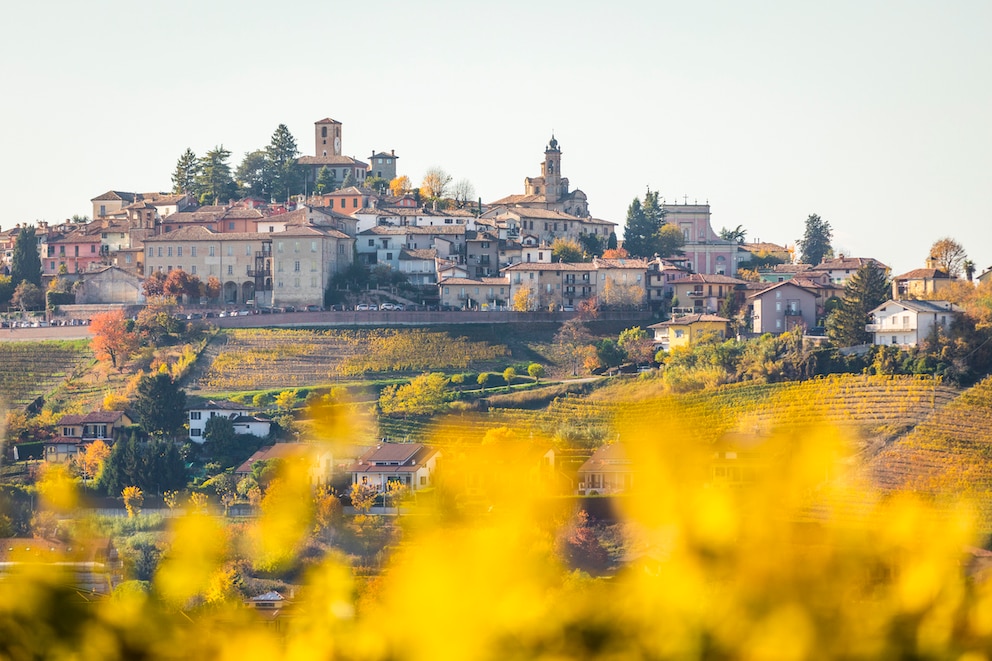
(269, 391)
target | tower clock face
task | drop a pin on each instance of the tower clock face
(337, 144)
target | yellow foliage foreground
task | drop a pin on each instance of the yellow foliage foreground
(798, 563)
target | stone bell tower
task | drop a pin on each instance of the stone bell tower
(327, 138)
(551, 171)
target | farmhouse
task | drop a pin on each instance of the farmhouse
(410, 465)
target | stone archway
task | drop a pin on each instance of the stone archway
(247, 291)
(230, 292)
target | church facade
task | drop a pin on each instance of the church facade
(550, 190)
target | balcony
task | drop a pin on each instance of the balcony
(793, 312)
(882, 328)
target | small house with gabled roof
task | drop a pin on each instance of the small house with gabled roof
(907, 323)
(410, 465)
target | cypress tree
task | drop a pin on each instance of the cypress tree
(25, 262)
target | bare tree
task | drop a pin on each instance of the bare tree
(464, 192)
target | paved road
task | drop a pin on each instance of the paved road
(50, 333)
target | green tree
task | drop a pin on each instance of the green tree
(25, 263)
(6, 289)
(325, 180)
(641, 236)
(815, 244)
(252, 175)
(669, 241)
(592, 245)
(509, 374)
(564, 249)
(424, 395)
(159, 405)
(214, 177)
(636, 343)
(286, 174)
(535, 371)
(186, 176)
(867, 289)
(737, 235)
(610, 354)
(349, 180)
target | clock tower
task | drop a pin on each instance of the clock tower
(327, 138)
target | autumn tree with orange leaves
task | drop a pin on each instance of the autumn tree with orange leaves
(113, 338)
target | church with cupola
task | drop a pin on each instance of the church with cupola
(550, 190)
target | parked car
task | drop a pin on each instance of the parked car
(387, 306)
(313, 308)
(362, 307)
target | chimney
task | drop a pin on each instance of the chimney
(392, 152)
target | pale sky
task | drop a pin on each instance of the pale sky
(875, 115)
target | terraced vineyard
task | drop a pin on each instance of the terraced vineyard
(262, 359)
(951, 452)
(866, 407)
(29, 370)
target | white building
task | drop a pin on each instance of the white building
(907, 323)
(244, 419)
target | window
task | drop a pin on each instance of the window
(296, 266)
(296, 246)
(279, 265)
(195, 415)
(296, 282)
(211, 251)
(195, 431)
(230, 269)
(230, 225)
(313, 246)
(354, 203)
(160, 251)
(92, 247)
(169, 251)
(192, 269)
(371, 243)
(340, 248)
(51, 266)
(679, 333)
(192, 251)
(179, 251)
(230, 250)
(278, 246)
(313, 282)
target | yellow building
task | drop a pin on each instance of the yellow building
(687, 330)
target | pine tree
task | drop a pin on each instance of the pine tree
(159, 405)
(185, 176)
(866, 290)
(644, 222)
(815, 244)
(214, 176)
(325, 180)
(285, 173)
(25, 262)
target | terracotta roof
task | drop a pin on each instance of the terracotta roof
(690, 319)
(277, 451)
(114, 195)
(608, 458)
(921, 306)
(924, 274)
(543, 214)
(92, 417)
(705, 278)
(331, 160)
(551, 266)
(327, 120)
(418, 253)
(500, 282)
(769, 287)
(849, 263)
(637, 264)
(393, 458)
(518, 199)
(415, 229)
